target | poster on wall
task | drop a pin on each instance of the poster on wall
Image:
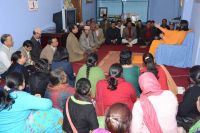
(33, 5)
(103, 11)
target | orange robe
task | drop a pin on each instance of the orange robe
(170, 37)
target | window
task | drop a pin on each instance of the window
(116, 8)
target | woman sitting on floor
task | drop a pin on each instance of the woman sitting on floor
(114, 90)
(92, 72)
(130, 72)
(58, 90)
(155, 111)
(79, 112)
(187, 109)
(25, 113)
(157, 70)
(60, 60)
(38, 83)
(118, 119)
(39, 77)
(170, 37)
(18, 61)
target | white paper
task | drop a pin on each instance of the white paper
(33, 5)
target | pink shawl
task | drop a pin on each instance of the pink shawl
(150, 87)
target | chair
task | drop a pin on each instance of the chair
(176, 55)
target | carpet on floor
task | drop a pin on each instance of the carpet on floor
(180, 75)
(111, 58)
(104, 50)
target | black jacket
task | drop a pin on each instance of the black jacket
(36, 50)
(188, 107)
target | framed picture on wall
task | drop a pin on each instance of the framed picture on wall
(89, 1)
(33, 5)
(102, 11)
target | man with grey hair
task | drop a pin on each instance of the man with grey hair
(87, 42)
(6, 51)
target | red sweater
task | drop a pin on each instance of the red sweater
(162, 78)
(125, 93)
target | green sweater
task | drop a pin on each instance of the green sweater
(131, 75)
(95, 74)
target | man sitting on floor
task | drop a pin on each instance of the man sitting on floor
(99, 34)
(94, 35)
(129, 34)
(148, 34)
(87, 43)
(26, 49)
(49, 50)
(6, 50)
(113, 35)
(120, 26)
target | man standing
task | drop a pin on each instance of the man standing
(49, 50)
(73, 46)
(36, 49)
(105, 24)
(6, 51)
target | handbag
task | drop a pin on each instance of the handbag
(69, 118)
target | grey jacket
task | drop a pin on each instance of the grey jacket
(87, 44)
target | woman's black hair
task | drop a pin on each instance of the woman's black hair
(42, 65)
(115, 71)
(184, 25)
(13, 81)
(6, 100)
(125, 57)
(60, 54)
(150, 64)
(83, 86)
(28, 43)
(38, 83)
(194, 74)
(16, 56)
(91, 62)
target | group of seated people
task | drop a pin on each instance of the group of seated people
(127, 32)
(42, 93)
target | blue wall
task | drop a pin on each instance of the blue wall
(159, 9)
(195, 20)
(140, 7)
(187, 10)
(88, 10)
(17, 20)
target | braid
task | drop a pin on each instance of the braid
(87, 72)
(151, 67)
(112, 83)
(150, 64)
